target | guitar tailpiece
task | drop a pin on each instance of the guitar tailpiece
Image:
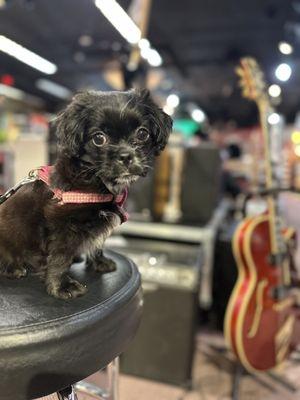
(277, 259)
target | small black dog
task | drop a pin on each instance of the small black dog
(106, 141)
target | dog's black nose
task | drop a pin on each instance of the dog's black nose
(126, 158)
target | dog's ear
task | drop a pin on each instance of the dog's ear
(143, 93)
(164, 128)
(162, 122)
(70, 125)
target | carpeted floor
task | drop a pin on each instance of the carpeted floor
(213, 373)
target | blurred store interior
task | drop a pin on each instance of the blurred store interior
(233, 155)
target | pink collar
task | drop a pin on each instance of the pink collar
(76, 196)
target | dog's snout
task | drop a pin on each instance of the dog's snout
(126, 158)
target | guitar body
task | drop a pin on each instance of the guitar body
(259, 328)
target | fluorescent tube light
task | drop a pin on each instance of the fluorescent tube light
(120, 20)
(112, 10)
(53, 88)
(26, 56)
(20, 95)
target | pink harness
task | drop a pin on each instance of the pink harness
(77, 197)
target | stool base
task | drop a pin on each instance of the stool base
(110, 393)
(66, 394)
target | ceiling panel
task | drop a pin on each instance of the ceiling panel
(200, 41)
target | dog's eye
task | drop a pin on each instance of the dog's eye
(142, 135)
(99, 139)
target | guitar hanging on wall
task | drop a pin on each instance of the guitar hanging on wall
(261, 321)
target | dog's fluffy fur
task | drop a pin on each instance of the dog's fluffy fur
(38, 234)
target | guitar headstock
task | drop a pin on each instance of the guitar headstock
(252, 80)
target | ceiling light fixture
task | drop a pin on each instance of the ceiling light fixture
(274, 90)
(85, 40)
(20, 95)
(274, 119)
(144, 43)
(152, 56)
(11, 92)
(26, 56)
(198, 115)
(297, 150)
(168, 109)
(296, 137)
(283, 72)
(79, 57)
(285, 48)
(119, 19)
(53, 88)
(173, 100)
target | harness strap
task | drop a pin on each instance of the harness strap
(70, 197)
(77, 196)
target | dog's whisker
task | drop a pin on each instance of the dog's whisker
(85, 171)
(123, 109)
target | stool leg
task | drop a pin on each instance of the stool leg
(67, 394)
(112, 390)
(113, 379)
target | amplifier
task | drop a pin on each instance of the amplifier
(164, 346)
(201, 184)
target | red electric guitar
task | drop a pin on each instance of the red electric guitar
(261, 318)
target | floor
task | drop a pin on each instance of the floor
(212, 377)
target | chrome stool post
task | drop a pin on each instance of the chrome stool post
(112, 390)
(113, 379)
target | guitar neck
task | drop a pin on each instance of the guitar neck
(254, 88)
(264, 110)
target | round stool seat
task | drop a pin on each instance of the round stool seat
(47, 344)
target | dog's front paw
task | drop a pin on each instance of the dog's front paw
(13, 272)
(103, 265)
(67, 289)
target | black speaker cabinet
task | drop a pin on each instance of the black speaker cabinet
(141, 195)
(224, 272)
(164, 346)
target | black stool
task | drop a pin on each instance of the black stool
(47, 345)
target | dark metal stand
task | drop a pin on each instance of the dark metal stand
(236, 380)
(67, 394)
(239, 372)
